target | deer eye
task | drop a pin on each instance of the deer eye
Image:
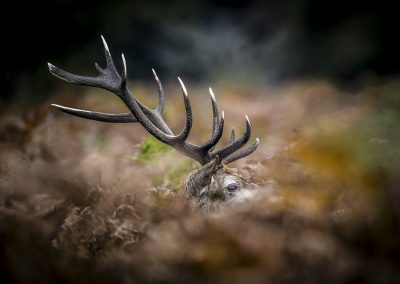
(232, 187)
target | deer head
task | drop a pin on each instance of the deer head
(212, 184)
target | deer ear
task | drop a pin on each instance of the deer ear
(205, 174)
(202, 177)
(212, 165)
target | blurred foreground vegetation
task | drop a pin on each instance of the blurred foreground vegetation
(87, 201)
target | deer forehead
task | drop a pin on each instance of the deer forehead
(227, 180)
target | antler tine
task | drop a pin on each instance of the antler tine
(214, 106)
(232, 136)
(224, 152)
(189, 118)
(160, 106)
(109, 60)
(110, 117)
(242, 153)
(74, 79)
(99, 116)
(217, 127)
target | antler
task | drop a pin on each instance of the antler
(151, 119)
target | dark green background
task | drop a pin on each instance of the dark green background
(264, 40)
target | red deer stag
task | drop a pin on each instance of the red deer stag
(208, 187)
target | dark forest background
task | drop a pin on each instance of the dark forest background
(246, 40)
